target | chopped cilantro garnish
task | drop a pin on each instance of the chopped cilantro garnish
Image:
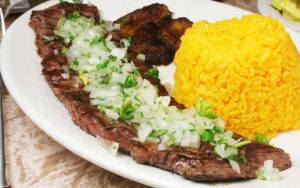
(62, 1)
(127, 111)
(134, 72)
(129, 82)
(241, 144)
(71, 36)
(153, 72)
(172, 139)
(73, 64)
(260, 138)
(207, 135)
(103, 65)
(186, 170)
(105, 46)
(158, 133)
(64, 50)
(74, 16)
(218, 129)
(204, 109)
(61, 22)
(136, 127)
(125, 21)
(96, 40)
(122, 44)
(243, 159)
(84, 79)
(142, 114)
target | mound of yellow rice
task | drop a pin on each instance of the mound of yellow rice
(248, 69)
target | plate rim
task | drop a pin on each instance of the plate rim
(41, 125)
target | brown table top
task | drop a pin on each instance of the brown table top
(35, 160)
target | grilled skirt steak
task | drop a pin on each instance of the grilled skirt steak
(195, 164)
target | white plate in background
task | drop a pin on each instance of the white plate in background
(266, 9)
(21, 71)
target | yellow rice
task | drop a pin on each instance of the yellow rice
(248, 69)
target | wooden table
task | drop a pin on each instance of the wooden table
(35, 160)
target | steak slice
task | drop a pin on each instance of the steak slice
(171, 31)
(199, 164)
(145, 42)
(132, 22)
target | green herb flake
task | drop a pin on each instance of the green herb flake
(241, 144)
(103, 65)
(62, 1)
(186, 170)
(218, 129)
(153, 72)
(204, 109)
(104, 43)
(73, 64)
(122, 44)
(136, 127)
(260, 138)
(243, 159)
(71, 36)
(61, 22)
(172, 139)
(129, 40)
(129, 82)
(142, 114)
(125, 21)
(207, 135)
(233, 157)
(134, 72)
(158, 133)
(74, 16)
(96, 40)
(64, 50)
(113, 121)
(101, 22)
(127, 111)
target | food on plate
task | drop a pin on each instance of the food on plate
(131, 23)
(172, 30)
(248, 69)
(153, 32)
(290, 9)
(145, 42)
(121, 101)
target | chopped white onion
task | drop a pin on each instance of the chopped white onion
(55, 52)
(267, 172)
(161, 147)
(144, 131)
(111, 146)
(112, 114)
(119, 90)
(65, 75)
(235, 166)
(141, 57)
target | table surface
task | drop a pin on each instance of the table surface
(35, 160)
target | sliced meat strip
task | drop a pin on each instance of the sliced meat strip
(171, 31)
(132, 22)
(145, 42)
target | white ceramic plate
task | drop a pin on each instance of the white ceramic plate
(21, 71)
(266, 9)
